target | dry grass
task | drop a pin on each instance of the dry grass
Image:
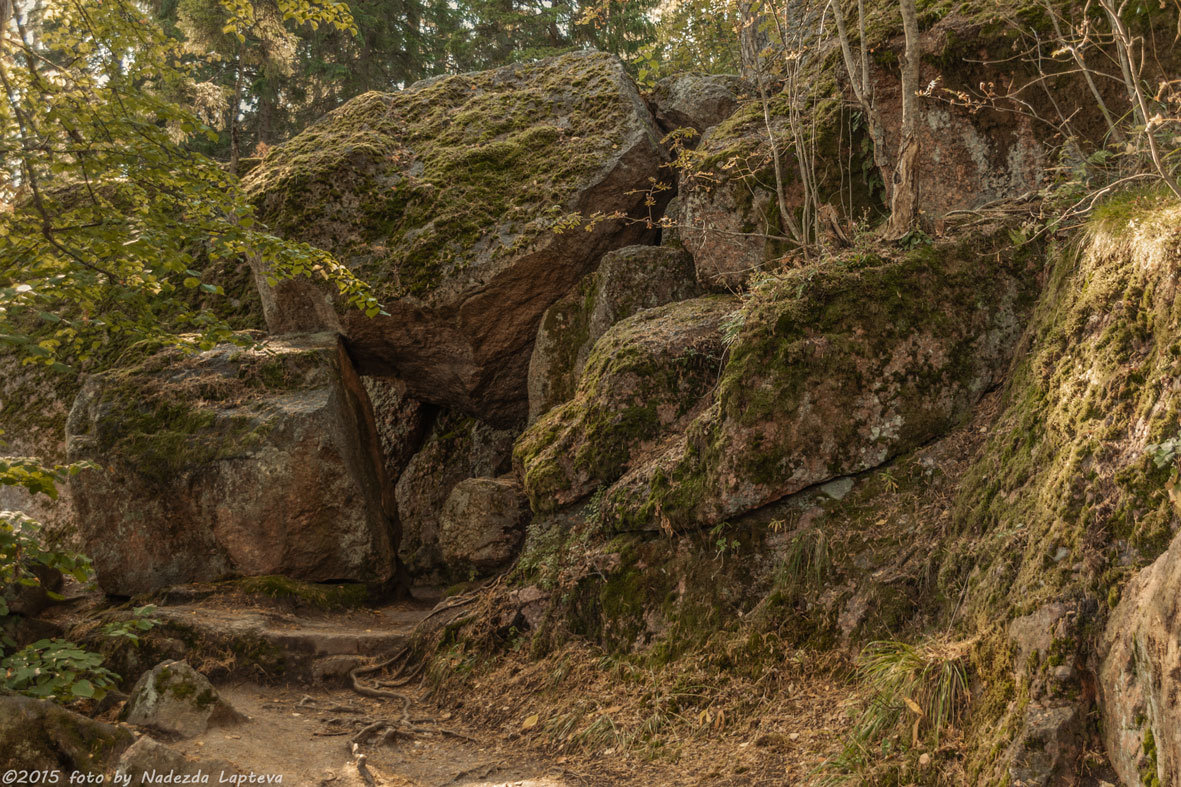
(609, 720)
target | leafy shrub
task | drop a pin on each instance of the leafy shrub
(58, 670)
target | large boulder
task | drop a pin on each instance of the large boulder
(696, 101)
(175, 699)
(1140, 675)
(626, 281)
(833, 369)
(451, 198)
(644, 378)
(482, 524)
(456, 448)
(232, 461)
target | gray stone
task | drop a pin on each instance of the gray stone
(175, 699)
(696, 101)
(457, 447)
(483, 523)
(147, 759)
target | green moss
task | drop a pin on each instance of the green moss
(644, 375)
(316, 596)
(903, 332)
(1149, 771)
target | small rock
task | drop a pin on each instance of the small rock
(483, 523)
(1049, 744)
(335, 669)
(838, 488)
(174, 698)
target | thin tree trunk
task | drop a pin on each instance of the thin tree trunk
(904, 199)
(1124, 43)
(752, 38)
(235, 111)
(863, 89)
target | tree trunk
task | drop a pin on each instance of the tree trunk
(904, 197)
(235, 111)
(858, 70)
(752, 38)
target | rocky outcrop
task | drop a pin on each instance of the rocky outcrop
(482, 524)
(233, 461)
(1140, 675)
(175, 699)
(644, 378)
(696, 101)
(457, 447)
(451, 197)
(626, 281)
(970, 153)
(833, 369)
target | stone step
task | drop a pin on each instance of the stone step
(225, 638)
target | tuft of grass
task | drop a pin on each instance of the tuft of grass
(808, 560)
(917, 695)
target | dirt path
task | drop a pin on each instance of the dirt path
(304, 736)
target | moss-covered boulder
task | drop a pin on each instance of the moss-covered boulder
(457, 447)
(175, 699)
(232, 461)
(644, 378)
(626, 281)
(449, 198)
(834, 369)
(1082, 455)
(39, 735)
